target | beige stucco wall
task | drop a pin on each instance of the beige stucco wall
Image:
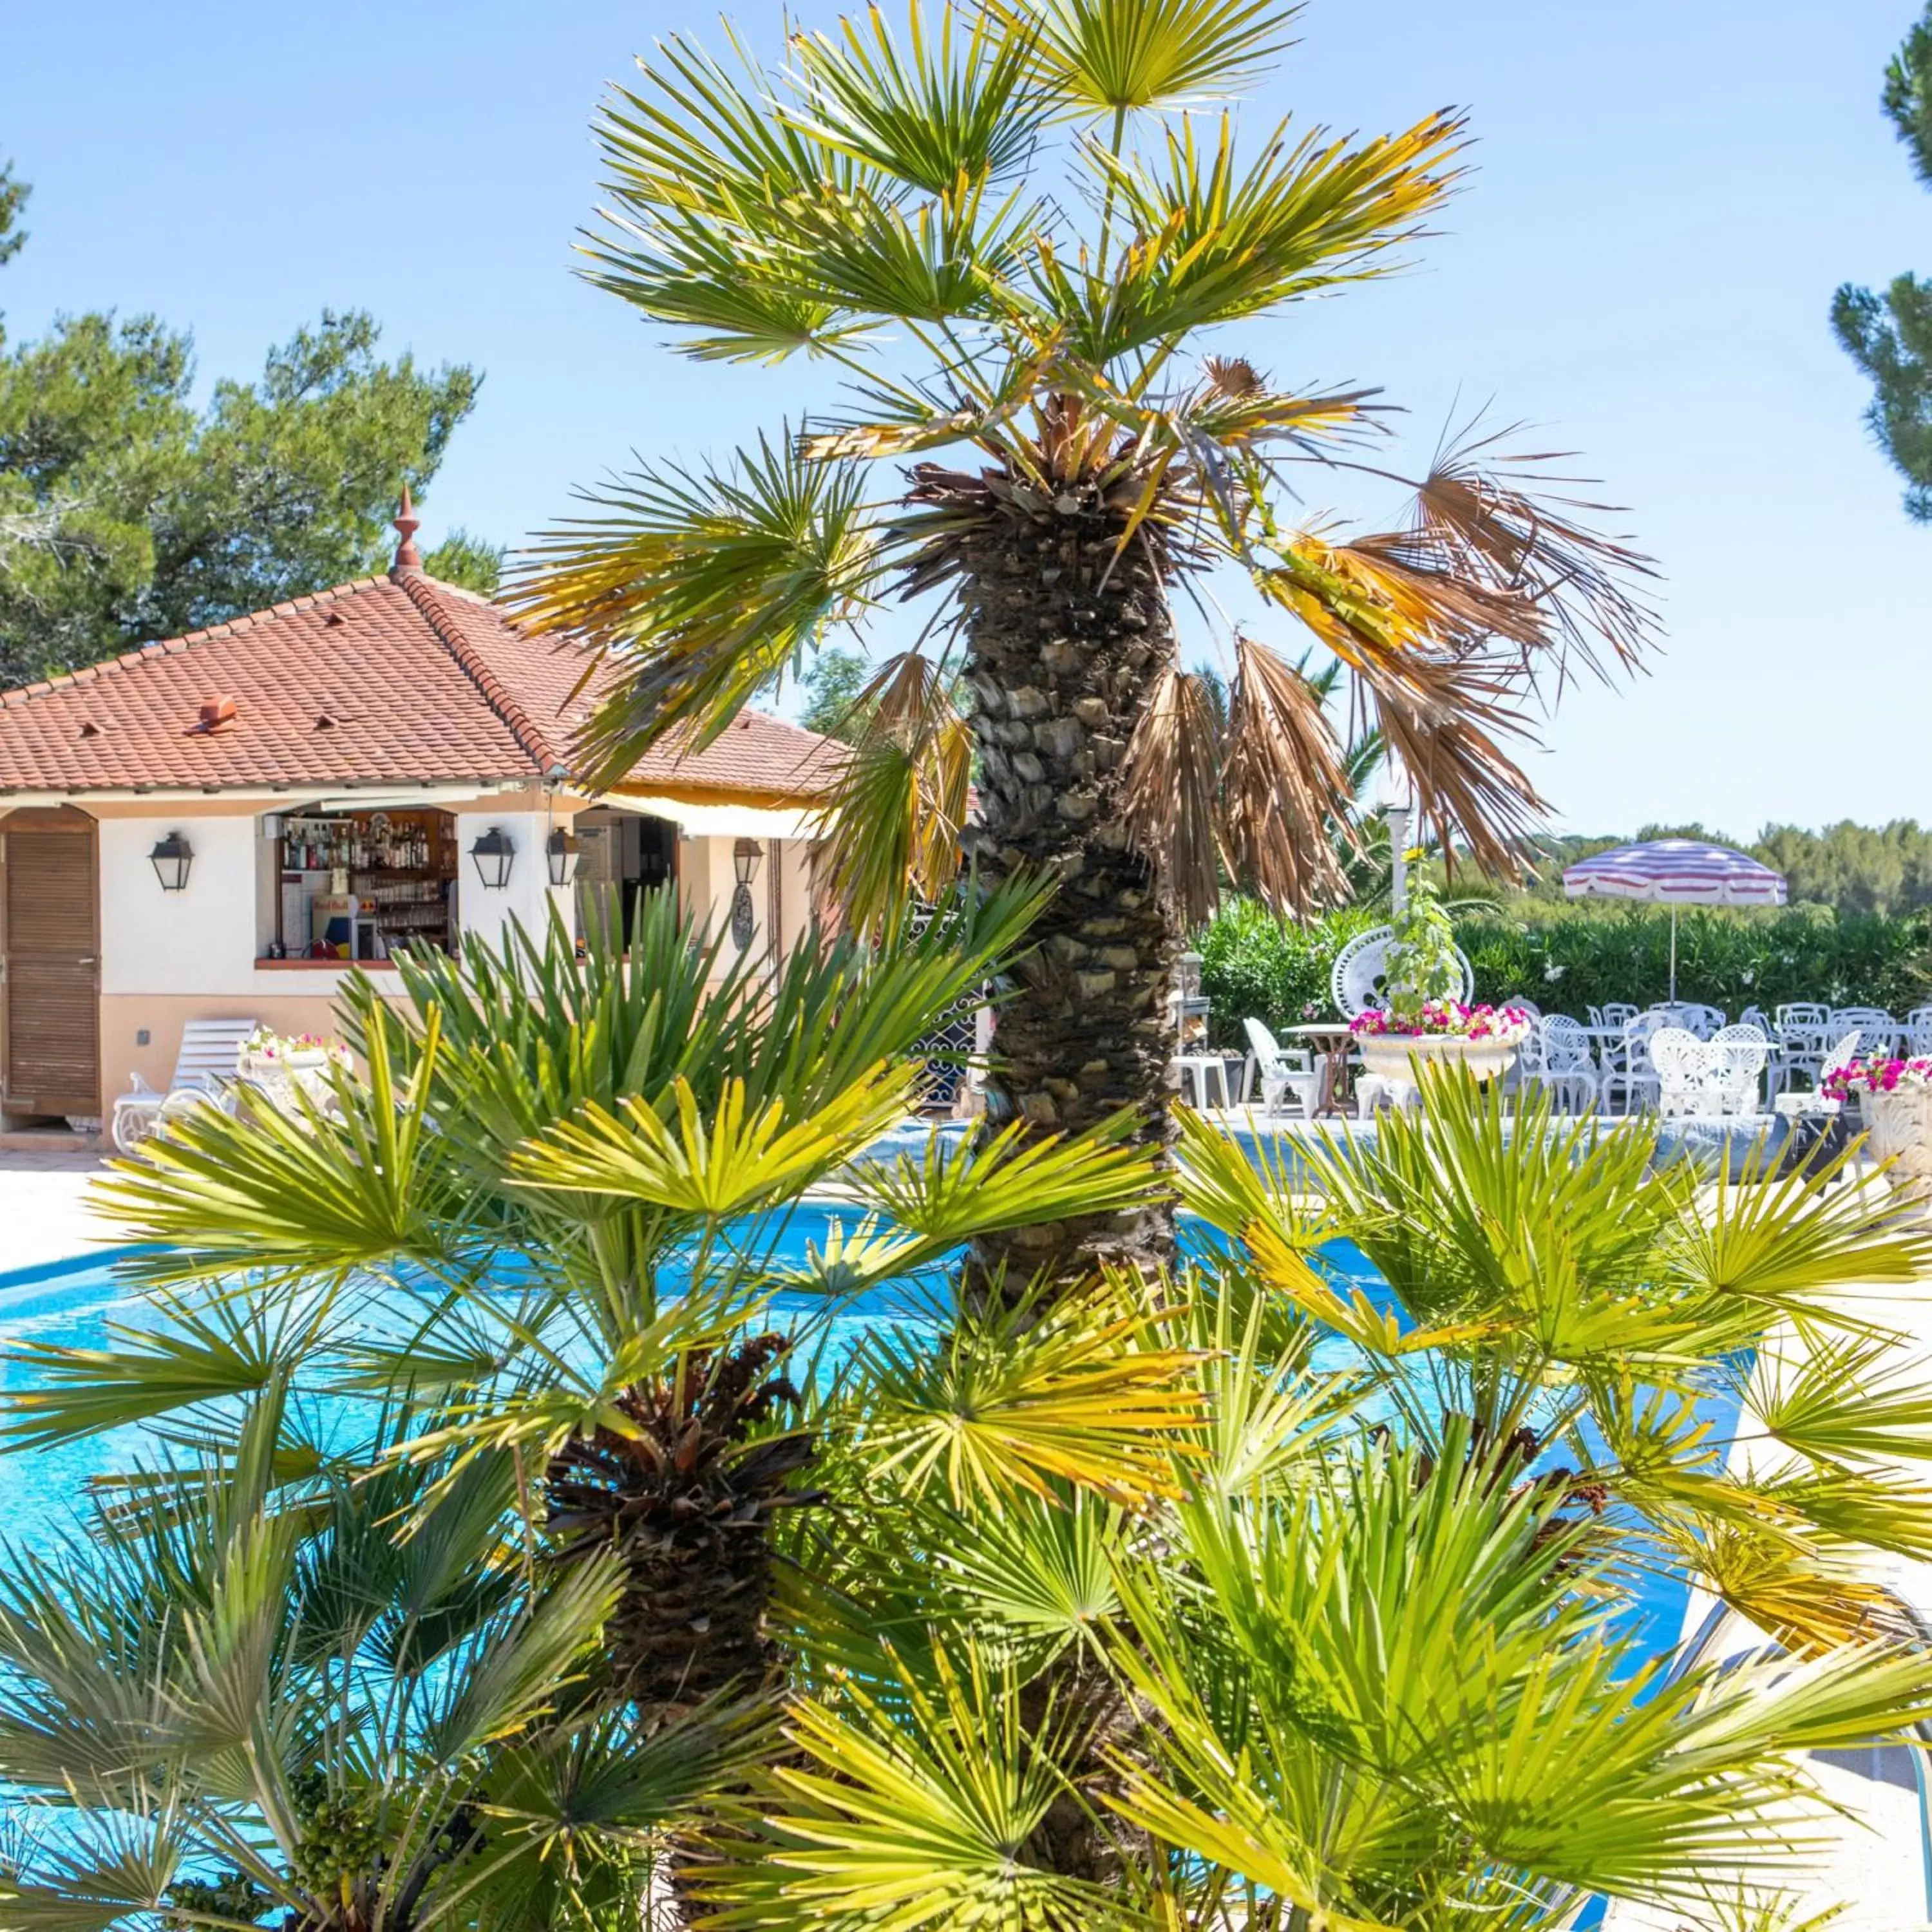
(125, 1016)
(168, 957)
(707, 877)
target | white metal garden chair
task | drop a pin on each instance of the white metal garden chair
(210, 1058)
(1555, 1057)
(1282, 1075)
(1356, 980)
(1744, 1051)
(1918, 1031)
(1686, 1073)
(1627, 1069)
(1878, 1031)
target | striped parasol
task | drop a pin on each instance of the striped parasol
(1675, 872)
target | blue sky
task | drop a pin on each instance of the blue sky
(1666, 194)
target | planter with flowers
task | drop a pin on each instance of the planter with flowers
(1424, 1023)
(285, 1065)
(1483, 1038)
(1894, 1097)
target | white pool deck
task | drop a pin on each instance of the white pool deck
(43, 1213)
(1875, 1867)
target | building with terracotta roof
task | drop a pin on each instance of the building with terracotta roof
(224, 825)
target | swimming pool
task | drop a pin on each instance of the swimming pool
(42, 1491)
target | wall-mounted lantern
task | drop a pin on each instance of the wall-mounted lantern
(745, 857)
(494, 852)
(171, 859)
(562, 850)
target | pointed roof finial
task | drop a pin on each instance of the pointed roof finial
(408, 557)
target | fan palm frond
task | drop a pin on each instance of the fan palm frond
(1018, 1396)
(959, 101)
(892, 823)
(1122, 56)
(1214, 240)
(712, 580)
(918, 1827)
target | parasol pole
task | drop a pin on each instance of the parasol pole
(1673, 953)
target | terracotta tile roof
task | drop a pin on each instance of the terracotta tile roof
(387, 679)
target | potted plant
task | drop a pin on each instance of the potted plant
(283, 1066)
(1424, 1022)
(1895, 1098)
(265, 1051)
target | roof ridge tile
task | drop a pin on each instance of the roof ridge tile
(422, 591)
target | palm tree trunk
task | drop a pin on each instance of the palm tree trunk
(1062, 652)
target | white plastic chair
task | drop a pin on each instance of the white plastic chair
(209, 1058)
(1282, 1074)
(1803, 1030)
(1692, 1015)
(1804, 1013)
(1841, 1054)
(1918, 1031)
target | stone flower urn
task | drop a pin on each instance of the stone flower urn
(1387, 1056)
(1901, 1132)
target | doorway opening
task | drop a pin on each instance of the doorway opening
(624, 855)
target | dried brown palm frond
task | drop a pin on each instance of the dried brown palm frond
(1417, 575)
(897, 811)
(1534, 548)
(1233, 376)
(1169, 783)
(1442, 714)
(1284, 785)
(1440, 659)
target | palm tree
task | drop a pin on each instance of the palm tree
(625, 1129)
(1556, 1305)
(237, 1696)
(1247, 1595)
(1015, 225)
(1376, 1645)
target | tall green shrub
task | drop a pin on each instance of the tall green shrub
(1567, 958)
(1253, 964)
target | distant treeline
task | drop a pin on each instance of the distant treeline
(1883, 868)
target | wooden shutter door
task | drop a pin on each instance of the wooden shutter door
(52, 986)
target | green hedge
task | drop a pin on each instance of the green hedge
(1568, 958)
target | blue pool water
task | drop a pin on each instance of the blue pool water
(42, 1491)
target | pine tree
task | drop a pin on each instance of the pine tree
(1889, 336)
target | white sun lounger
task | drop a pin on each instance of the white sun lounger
(210, 1056)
